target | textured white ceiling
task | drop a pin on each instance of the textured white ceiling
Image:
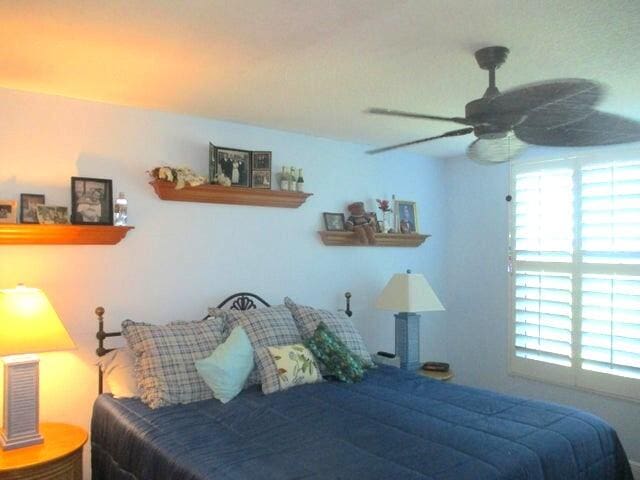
(313, 66)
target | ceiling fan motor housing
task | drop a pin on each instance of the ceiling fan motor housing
(490, 58)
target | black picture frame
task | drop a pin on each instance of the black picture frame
(261, 161)
(333, 222)
(261, 169)
(91, 201)
(28, 207)
(234, 163)
(261, 179)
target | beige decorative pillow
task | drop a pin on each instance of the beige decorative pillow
(118, 366)
(286, 366)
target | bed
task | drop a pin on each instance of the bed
(394, 424)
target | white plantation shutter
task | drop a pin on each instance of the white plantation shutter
(544, 215)
(543, 317)
(610, 207)
(576, 283)
(611, 324)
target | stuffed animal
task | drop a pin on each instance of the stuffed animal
(361, 223)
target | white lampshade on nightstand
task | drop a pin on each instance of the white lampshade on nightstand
(408, 293)
(28, 325)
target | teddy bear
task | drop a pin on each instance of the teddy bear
(361, 223)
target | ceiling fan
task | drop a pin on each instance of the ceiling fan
(559, 113)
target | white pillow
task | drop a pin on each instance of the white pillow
(118, 367)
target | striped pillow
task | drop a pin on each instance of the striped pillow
(166, 355)
(308, 319)
(265, 327)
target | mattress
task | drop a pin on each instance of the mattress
(393, 425)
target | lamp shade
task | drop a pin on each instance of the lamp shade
(29, 324)
(408, 292)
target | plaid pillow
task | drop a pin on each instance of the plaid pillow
(335, 356)
(166, 355)
(265, 327)
(308, 319)
(285, 367)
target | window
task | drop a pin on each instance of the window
(575, 230)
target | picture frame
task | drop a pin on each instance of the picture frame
(91, 201)
(406, 216)
(8, 211)
(234, 163)
(52, 215)
(261, 179)
(261, 170)
(261, 161)
(28, 204)
(333, 222)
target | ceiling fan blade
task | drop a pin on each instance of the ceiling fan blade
(399, 113)
(598, 128)
(550, 103)
(453, 133)
(498, 150)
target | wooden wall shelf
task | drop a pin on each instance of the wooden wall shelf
(348, 239)
(229, 195)
(27, 234)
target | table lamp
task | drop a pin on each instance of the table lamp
(28, 325)
(408, 293)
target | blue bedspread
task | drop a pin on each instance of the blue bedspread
(393, 425)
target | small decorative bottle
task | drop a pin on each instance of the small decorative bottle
(300, 183)
(120, 211)
(284, 179)
(292, 180)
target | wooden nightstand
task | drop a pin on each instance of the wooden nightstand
(444, 376)
(58, 458)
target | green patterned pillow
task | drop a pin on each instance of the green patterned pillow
(336, 357)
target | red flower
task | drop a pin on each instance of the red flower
(383, 205)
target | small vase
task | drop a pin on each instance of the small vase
(387, 222)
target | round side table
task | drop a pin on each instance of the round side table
(443, 376)
(59, 457)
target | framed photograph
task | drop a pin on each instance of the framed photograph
(333, 221)
(406, 216)
(232, 163)
(91, 201)
(8, 211)
(28, 204)
(261, 161)
(261, 179)
(48, 214)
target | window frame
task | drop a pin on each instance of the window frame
(573, 376)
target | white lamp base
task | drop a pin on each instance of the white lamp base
(21, 402)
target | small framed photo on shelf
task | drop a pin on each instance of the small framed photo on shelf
(233, 163)
(261, 170)
(333, 222)
(261, 161)
(28, 204)
(49, 215)
(8, 211)
(91, 201)
(406, 216)
(261, 179)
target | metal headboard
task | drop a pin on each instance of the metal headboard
(237, 301)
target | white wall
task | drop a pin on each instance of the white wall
(183, 257)
(476, 293)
